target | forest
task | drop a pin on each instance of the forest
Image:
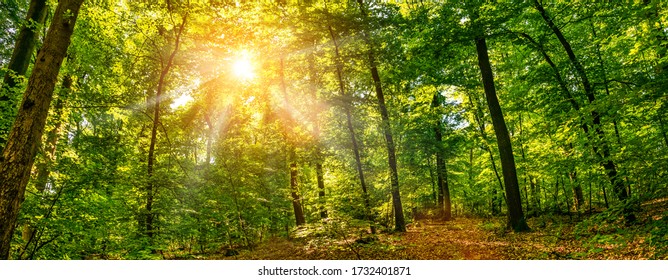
(318, 129)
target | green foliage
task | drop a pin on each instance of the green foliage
(221, 170)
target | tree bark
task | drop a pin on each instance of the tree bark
(444, 203)
(351, 130)
(19, 62)
(150, 230)
(294, 192)
(44, 168)
(578, 197)
(399, 222)
(321, 189)
(316, 135)
(19, 154)
(513, 199)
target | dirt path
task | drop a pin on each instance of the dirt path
(464, 238)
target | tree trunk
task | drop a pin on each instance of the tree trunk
(602, 149)
(321, 189)
(19, 154)
(606, 83)
(399, 222)
(316, 135)
(527, 177)
(444, 203)
(294, 192)
(351, 130)
(577, 190)
(481, 127)
(150, 187)
(44, 168)
(18, 64)
(513, 199)
(432, 179)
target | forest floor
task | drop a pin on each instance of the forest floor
(472, 238)
(463, 238)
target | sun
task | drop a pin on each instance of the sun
(243, 68)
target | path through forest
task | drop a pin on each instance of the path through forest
(463, 238)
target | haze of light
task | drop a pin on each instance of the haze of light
(243, 69)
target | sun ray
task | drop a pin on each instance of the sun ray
(243, 68)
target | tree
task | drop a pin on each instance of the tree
(19, 154)
(351, 131)
(516, 218)
(18, 64)
(444, 202)
(166, 63)
(399, 223)
(600, 146)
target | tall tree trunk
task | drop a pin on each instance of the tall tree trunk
(294, 192)
(513, 199)
(19, 154)
(150, 187)
(527, 177)
(606, 83)
(351, 130)
(432, 179)
(44, 168)
(578, 198)
(602, 149)
(321, 189)
(399, 222)
(30, 231)
(313, 84)
(444, 203)
(477, 116)
(18, 64)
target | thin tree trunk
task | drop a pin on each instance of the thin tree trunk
(44, 168)
(19, 62)
(526, 168)
(351, 130)
(513, 199)
(568, 204)
(577, 190)
(209, 139)
(316, 134)
(294, 191)
(19, 154)
(536, 196)
(321, 189)
(434, 192)
(150, 187)
(481, 126)
(557, 207)
(471, 183)
(606, 83)
(608, 164)
(662, 127)
(605, 197)
(399, 222)
(444, 203)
